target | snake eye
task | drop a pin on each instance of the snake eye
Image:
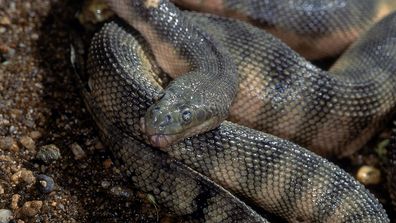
(186, 115)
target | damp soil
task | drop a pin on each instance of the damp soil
(45, 130)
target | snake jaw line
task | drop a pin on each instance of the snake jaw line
(160, 141)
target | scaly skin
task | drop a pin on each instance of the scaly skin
(331, 113)
(177, 188)
(200, 99)
(276, 174)
(313, 28)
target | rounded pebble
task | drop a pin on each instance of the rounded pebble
(35, 134)
(105, 184)
(48, 153)
(6, 143)
(45, 183)
(23, 175)
(31, 208)
(77, 151)
(14, 201)
(5, 21)
(99, 145)
(369, 175)
(107, 163)
(5, 215)
(28, 143)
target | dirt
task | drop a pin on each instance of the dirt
(41, 112)
(40, 106)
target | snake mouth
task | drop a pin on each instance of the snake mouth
(157, 139)
(160, 141)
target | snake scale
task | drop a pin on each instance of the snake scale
(315, 29)
(275, 174)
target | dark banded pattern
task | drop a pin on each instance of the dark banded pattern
(276, 174)
(200, 99)
(332, 113)
(313, 28)
(176, 187)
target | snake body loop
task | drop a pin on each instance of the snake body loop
(198, 100)
(333, 114)
(280, 176)
(315, 29)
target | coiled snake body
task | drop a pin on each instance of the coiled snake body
(293, 95)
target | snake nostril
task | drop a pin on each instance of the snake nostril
(166, 121)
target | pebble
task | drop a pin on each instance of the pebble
(107, 163)
(35, 134)
(31, 208)
(369, 175)
(14, 201)
(35, 36)
(7, 52)
(5, 21)
(27, 142)
(23, 175)
(105, 184)
(45, 183)
(99, 145)
(5, 215)
(1, 189)
(6, 143)
(48, 153)
(77, 151)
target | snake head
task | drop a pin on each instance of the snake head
(172, 119)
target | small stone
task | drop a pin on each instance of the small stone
(35, 134)
(31, 208)
(48, 153)
(5, 215)
(45, 183)
(14, 201)
(369, 175)
(27, 142)
(99, 145)
(1, 189)
(6, 143)
(5, 21)
(77, 151)
(107, 163)
(105, 184)
(35, 36)
(23, 175)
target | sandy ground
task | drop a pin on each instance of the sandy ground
(41, 113)
(40, 106)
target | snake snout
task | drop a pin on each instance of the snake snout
(156, 121)
(159, 118)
